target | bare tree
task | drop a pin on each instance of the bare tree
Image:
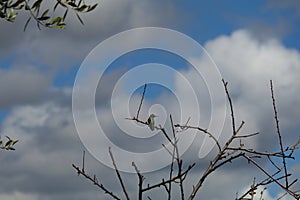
(232, 149)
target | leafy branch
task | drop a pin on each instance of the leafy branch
(9, 11)
(9, 145)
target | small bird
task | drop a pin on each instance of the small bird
(151, 122)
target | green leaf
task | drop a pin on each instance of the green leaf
(79, 19)
(92, 7)
(36, 4)
(65, 14)
(27, 7)
(81, 8)
(2, 15)
(20, 7)
(26, 24)
(10, 148)
(11, 15)
(17, 3)
(8, 143)
(72, 4)
(59, 26)
(45, 12)
(60, 3)
(14, 142)
(38, 25)
(43, 18)
(55, 20)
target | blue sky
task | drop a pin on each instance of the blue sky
(250, 43)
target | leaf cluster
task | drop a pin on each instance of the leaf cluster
(42, 16)
(9, 145)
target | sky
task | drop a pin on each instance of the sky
(56, 86)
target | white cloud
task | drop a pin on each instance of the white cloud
(22, 85)
(19, 196)
(62, 49)
(48, 145)
(48, 141)
(248, 64)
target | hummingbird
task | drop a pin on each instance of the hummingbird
(151, 122)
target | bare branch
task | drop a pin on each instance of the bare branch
(247, 136)
(231, 106)
(276, 154)
(202, 130)
(142, 99)
(279, 134)
(228, 152)
(179, 161)
(163, 182)
(156, 127)
(141, 179)
(271, 177)
(118, 174)
(171, 174)
(94, 179)
(255, 186)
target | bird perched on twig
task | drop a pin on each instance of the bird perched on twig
(151, 122)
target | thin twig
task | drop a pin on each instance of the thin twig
(231, 106)
(279, 134)
(273, 163)
(163, 182)
(229, 160)
(247, 136)
(219, 156)
(276, 154)
(169, 190)
(94, 179)
(141, 179)
(83, 157)
(169, 152)
(271, 177)
(202, 130)
(166, 135)
(142, 99)
(118, 174)
(261, 183)
(95, 182)
(156, 127)
(179, 161)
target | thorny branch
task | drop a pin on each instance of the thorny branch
(240, 151)
(227, 153)
(94, 180)
(279, 134)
